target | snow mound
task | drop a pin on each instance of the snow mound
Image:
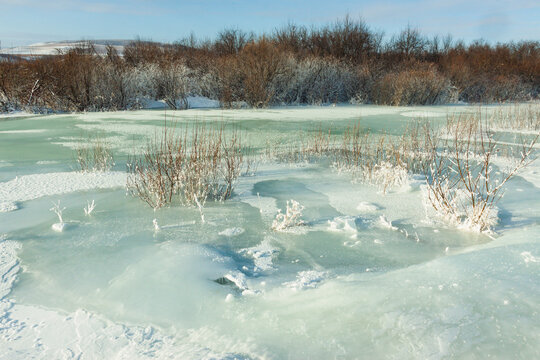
(343, 224)
(30, 187)
(262, 255)
(384, 223)
(307, 279)
(235, 231)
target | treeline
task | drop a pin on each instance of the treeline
(342, 62)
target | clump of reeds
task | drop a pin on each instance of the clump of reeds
(190, 166)
(517, 117)
(94, 155)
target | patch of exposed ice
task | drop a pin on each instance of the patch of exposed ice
(262, 255)
(267, 205)
(29, 187)
(7, 206)
(235, 231)
(307, 279)
(367, 207)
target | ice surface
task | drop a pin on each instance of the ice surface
(368, 275)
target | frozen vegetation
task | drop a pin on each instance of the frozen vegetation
(301, 232)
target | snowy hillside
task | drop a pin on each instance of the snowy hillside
(54, 47)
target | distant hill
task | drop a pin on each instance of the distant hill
(54, 47)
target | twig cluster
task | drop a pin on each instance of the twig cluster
(189, 165)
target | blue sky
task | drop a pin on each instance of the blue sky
(28, 21)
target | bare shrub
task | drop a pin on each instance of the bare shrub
(259, 62)
(463, 187)
(413, 87)
(191, 166)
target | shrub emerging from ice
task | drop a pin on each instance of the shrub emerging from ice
(463, 187)
(291, 218)
(387, 176)
(59, 226)
(95, 155)
(190, 166)
(90, 206)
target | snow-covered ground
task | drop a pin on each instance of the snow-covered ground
(365, 276)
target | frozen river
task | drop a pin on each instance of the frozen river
(366, 276)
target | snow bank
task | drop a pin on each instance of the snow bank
(30, 332)
(29, 187)
(196, 102)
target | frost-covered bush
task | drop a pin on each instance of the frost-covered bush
(463, 185)
(314, 81)
(500, 88)
(291, 218)
(386, 176)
